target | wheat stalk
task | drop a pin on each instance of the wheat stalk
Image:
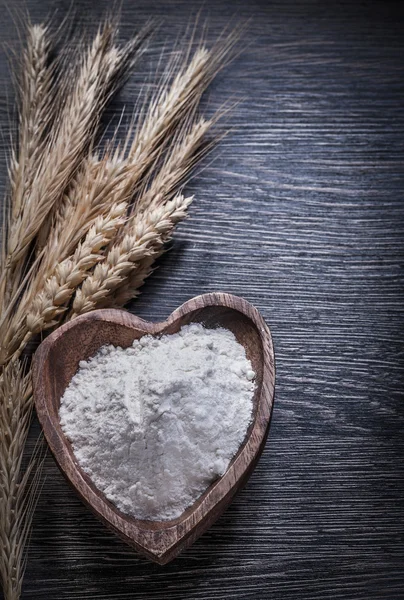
(148, 234)
(101, 75)
(182, 157)
(123, 173)
(39, 311)
(36, 113)
(115, 177)
(71, 272)
(17, 493)
(184, 154)
(186, 151)
(85, 227)
(76, 125)
(172, 104)
(100, 72)
(45, 164)
(98, 185)
(129, 289)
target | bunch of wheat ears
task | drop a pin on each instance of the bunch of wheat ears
(82, 226)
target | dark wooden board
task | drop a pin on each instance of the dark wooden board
(302, 213)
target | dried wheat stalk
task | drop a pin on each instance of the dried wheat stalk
(37, 110)
(39, 173)
(96, 187)
(85, 226)
(185, 153)
(129, 163)
(148, 233)
(98, 75)
(40, 307)
(17, 492)
(100, 71)
(45, 308)
(128, 171)
(101, 74)
(129, 288)
(77, 121)
(36, 113)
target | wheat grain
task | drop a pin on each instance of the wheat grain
(174, 103)
(71, 272)
(166, 110)
(172, 106)
(128, 289)
(108, 179)
(101, 70)
(186, 151)
(100, 180)
(77, 122)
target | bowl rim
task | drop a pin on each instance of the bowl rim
(160, 540)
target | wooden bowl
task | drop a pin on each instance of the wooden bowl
(57, 360)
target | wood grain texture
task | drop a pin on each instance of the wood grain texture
(302, 213)
(57, 360)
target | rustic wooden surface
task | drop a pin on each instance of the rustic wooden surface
(59, 357)
(302, 213)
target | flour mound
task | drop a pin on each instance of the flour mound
(154, 424)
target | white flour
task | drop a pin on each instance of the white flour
(155, 424)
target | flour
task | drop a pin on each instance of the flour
(154, 424)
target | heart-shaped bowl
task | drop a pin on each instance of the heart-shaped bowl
(57, 360)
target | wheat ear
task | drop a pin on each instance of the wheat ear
(129, 289)
(182, 156)
(148, 234)
(98, 185)
(16, 491)
(186, 151)
(111, 178)
(120, 173)
(99, 70)
(76, 122)
(181, 159)
(36, 113)
(173, 105)
(40, 311)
